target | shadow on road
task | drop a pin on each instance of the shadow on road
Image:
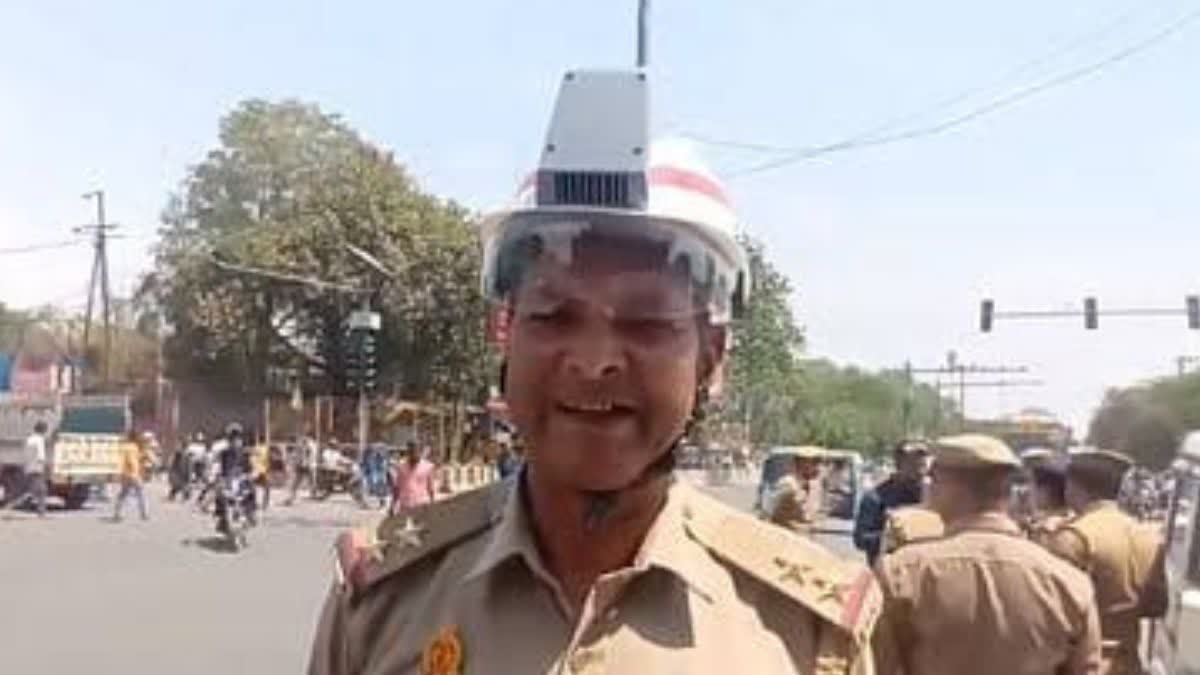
(212, 544)
(303, 522)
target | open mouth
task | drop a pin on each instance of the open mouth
(595, 410)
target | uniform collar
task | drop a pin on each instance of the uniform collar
(989, 521)
(667, 545)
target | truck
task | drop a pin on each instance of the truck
(86, 432)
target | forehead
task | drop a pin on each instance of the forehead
(608, 267)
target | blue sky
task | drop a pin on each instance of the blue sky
(1088, 188)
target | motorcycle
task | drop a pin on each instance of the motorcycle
(343, 478)
(237, 501)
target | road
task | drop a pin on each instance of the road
(82, 594)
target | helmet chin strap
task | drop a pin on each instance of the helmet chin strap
(600, 503)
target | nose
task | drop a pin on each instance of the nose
(596, 353)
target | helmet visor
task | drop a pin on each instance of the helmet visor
(715, 276)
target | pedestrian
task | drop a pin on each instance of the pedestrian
(982, 599)
(260, 471)
(414, 481)
(595, 558)
(303, 462)
(902, 488)
(132, 477)
(178, 474)
(35, 468)
(197, 454)
(507, 461)
(373, 467)
(797, 499)
(1123, 557)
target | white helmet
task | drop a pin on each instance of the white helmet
(597, 177)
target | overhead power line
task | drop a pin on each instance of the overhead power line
(1058, 50)
(861, 141)
(34, 248)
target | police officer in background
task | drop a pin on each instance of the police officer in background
(798, 498)
(1049, 497)
(619, 271)
(1122, 556)
(902, 488)
(982, 600)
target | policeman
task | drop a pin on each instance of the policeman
(902, 488)
(982, 599)
(910, 524)
(619, 273)
(1123, 557)
(1049, 495)
(798, 498)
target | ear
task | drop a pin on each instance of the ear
(714, 344)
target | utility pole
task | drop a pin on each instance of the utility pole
(958, 373)
(1182, 362)
(100, 231)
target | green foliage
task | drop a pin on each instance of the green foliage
(1148, 421)
(288, 187)
(776, 397)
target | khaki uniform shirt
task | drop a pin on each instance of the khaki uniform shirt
(910, 524)
(462, 589)
(984, 601)
(798, 503)
(1042, 526)
(1124, 560)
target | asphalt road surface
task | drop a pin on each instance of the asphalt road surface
(80, 594)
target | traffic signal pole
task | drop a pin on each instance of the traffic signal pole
(1091, 313)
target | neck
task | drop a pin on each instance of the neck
(577, 554)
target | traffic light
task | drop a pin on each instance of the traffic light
(1193, 311)
(1091, 318)
(368, 362)
(986, 310)
(352, 360)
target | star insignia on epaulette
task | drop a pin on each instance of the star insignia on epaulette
(409, 535)
(830, 591)
(792, 571)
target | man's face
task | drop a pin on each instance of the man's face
(807, 468)
(912, 466)
(604, 360)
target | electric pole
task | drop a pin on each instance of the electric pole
(959, 372)
(1182, 363)
(99, 277)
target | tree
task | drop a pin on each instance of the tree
(287, 188)
(1148, 422)
(765, 350)
(776, 397)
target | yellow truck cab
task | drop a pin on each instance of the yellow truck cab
(1174, 641)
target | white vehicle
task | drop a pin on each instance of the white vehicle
(1174, 645)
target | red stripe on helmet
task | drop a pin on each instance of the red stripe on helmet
(688, 180)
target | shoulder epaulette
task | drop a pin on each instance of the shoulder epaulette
(366, 555)
(841, 592)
